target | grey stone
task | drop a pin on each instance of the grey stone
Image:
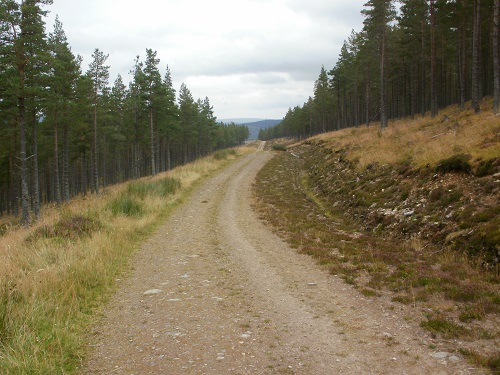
(152, 291)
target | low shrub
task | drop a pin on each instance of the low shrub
(279, 147)
(455, 163)
(68, 228)
(487, 167)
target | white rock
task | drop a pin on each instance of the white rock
(152, 291)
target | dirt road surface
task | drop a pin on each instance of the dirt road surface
(214, 291)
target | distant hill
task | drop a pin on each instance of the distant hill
(239, 120)
(254, 127)
(253, 124)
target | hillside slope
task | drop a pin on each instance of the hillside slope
(411, 213)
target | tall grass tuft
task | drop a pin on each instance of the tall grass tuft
(124, 204)
(161, 188)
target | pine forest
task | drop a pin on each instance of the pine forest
(66, 132)
(410, 58)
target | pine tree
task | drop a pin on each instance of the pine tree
(322, 97)
(152, 83)
(118, 112)
(413, 22)
(188, 114)
(169, 126)
(64, 73)
(99, 73)
(375, 24)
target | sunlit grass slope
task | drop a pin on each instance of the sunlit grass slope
(424, 140)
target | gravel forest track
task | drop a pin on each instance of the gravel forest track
(214, 291)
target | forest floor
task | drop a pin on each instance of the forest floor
(216, 291)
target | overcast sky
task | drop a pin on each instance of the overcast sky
(251, 58)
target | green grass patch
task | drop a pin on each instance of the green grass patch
(445, 328)
(126, 205)
(160, 188)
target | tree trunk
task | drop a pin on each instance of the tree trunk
(462, 58)
(167, 151)
(36, 178)
(496, 58)
(434, 94)
(383, 114)
(25, 211)
(476, 46)
(423, 106)
(14, 182)
(84, 173)
(57, 178)
(153, 164)
(413, 90)
(65, 177)
(96, 169)
(367, 99)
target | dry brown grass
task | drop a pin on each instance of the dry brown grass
(423, 140)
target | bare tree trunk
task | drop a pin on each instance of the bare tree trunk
(434, 96)
(25, 210)
(65, 177)
(413, 90)
(496, 58)
(14, 182)
(462, 56)
(169, 158)
(367, 99)
(383, 114)
(56, 165)
(84, 173)
(423, 106)
(96, 165)
(36, 178)
(476, 45)
(153, 164)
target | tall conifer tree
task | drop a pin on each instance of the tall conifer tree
(99, 73)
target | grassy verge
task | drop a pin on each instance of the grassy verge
(56, 276)
(421, 231)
